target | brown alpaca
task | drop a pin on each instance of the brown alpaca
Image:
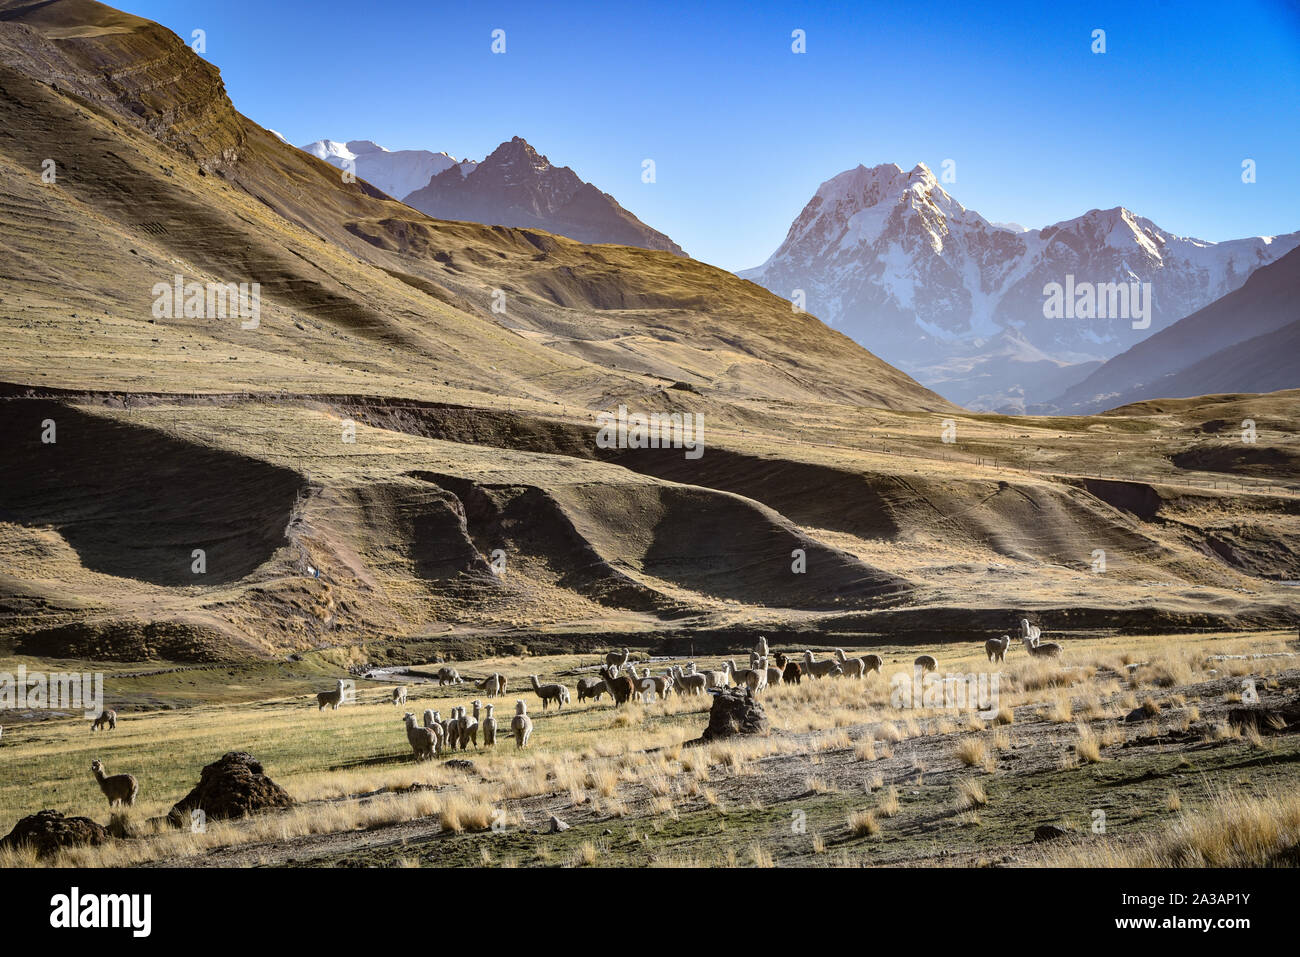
(791, 674)
(118, 788)
(620, 686)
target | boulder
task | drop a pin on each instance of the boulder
(48, 831)
(735, 711)
(233, 787)
(1048, 832)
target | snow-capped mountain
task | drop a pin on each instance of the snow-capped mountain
(517, 186)
(396, 172)
(892, 260)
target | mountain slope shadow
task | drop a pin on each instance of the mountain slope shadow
(134, 502)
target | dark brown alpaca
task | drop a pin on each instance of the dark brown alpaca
(621, 687)
(791, 673)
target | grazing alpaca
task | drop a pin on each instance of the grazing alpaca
(433, 721)
(820, 669)
(1044, 649)
(853, 667)
(331, 699)
(422, 740)
(106, 719)
(925, 663)
(996, 648)
(548, 693)
(874, 662)
(620, 686)
(493, 685)
(521, 725)
(618, 660)
(119, 789)
(489, 728)
(399, 695)
(449, 676)
(592, 688)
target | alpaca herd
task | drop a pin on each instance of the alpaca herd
(621, 679)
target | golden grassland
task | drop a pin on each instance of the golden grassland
(352, 770)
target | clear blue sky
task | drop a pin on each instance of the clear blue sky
(742, 130)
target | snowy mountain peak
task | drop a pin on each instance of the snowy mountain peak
(397, 172)
(935, 288)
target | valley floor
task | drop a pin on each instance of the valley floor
(1125, 744)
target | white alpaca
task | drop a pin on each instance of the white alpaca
(468, 728)
(448, 675)
(118, 788)
(422, 740)
(452, 729)
(690, 684)
(820, 669)
(548, 693)
(996, 648)
(521, 725)
(399, 695)
(1042, 649)
(716, 679)
(618, 659)
(775, 674)
(748, 677)
(1030, 631)
(433, 721)
(331, 699)
(852, 667)
(760, 647)
(489, 728)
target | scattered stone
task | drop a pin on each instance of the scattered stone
(48, 831)
(233, 787)
(1137, 714)
(1048, 832)
(460, 763)
(557, 825)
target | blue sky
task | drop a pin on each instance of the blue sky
(742, 130)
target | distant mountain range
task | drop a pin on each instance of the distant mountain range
(1247, 341)
(514, 186)
(892, 260)
(396, 172)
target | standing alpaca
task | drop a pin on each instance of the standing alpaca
(853, 667)
(119, 789)
(1042, 649)
(925, 663)
(489, 728)
(433, 721)
(107, 719)
(618, 659)
(760, 647)
(716, 679)
(448, 675)
(620, 686)
(422, 740)
(1030, 631)
(775, 674)
(468, 728)
(399, 695)
(996, 648)
(592, 688)
(331, 699)
(748, 677)
(452, 729)
(548, 693)
(874, 663)
(521, 725)
(690, 684)
(791, 673)
(820, 669)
